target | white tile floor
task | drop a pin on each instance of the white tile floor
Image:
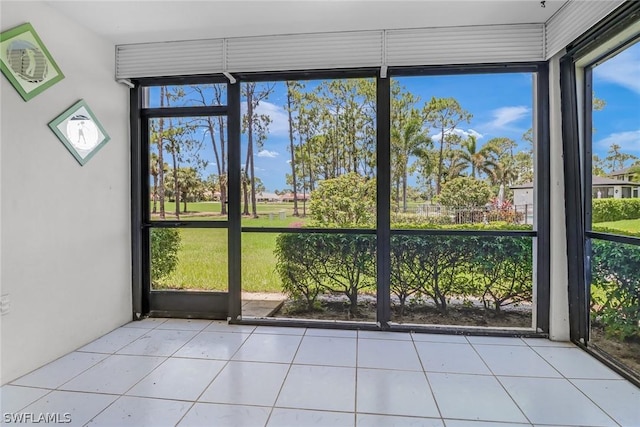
(161, 372)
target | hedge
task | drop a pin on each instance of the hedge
(605, 210)
(497, 270)
(615, 286)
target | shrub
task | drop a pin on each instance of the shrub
(346, 201)
(165, 244)
(615, 288)
(311, 263)
(297, 264)
(605, 210)
(503, 270)
(465, 192)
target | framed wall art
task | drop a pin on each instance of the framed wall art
(26, 62)
(80, 131)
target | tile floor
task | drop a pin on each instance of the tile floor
(160, 372)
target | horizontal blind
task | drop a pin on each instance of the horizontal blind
(570, 22)
(169, 58)
(305, 51)
(463, 45)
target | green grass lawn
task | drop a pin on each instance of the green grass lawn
(203, 262)
(632, 225)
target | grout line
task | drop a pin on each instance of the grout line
(275, 401)
(495, 377)
(355, 397)
(424, 372)
(197, 399)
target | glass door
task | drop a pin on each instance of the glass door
(185, 201)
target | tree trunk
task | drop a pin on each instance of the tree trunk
(155, 193)
(176, 185)
(161, 156)
(440, 162)
(404, 190)
(293, 156)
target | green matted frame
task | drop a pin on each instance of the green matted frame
(80, 131)
(26, 62)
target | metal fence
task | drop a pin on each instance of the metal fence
(517, 214)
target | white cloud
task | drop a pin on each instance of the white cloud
(628, 141)
(464, 134)
(623, 69)
(279, 117)
(504, 116)
(269, 154)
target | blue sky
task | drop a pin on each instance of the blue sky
(501, 105)
(617, 82)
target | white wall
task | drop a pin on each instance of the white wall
(559, 298)
(66, 261)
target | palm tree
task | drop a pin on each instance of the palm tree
(154, 171)
(408, 141)
(475, 158)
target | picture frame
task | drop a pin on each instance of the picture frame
(26, 62)
(80, 131)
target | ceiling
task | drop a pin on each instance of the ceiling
(125, 22)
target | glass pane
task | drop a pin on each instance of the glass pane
(189, 258)
(462, 280)
(313, 276)
(308, 153)
(462, 150)
(615, 167)
(615, 301)
(189, 154)
(199, 95)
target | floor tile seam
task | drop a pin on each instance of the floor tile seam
(502, 385)
(328, 365)
(49, 391)
(417, 417)
(593, 401)
(535, 352)
(433, 395)
(284, 380)
(378, 368)
(498, 423)
(223, 367)
(119, 348)
(355, 392)
(551, 363)
(93, 417)
(53, 361)
(58, 387)
(311, 409)
(144, 376)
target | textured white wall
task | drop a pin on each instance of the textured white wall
(559, 304)
(66, 257)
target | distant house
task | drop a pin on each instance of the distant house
(267, 197)
(288, 197)
(627, 174)
(618, 188)
(601, 188)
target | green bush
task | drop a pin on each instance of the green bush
(346, 201)
(497, 270)
(615, 288)
(432, 266)
(465, 192)
(502, 270)
(336, 263)
(605, 210)
(165, 244)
